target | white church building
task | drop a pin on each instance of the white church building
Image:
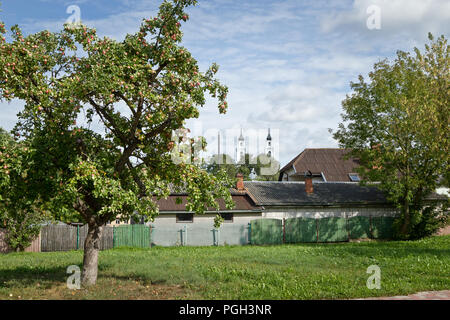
(242, 147)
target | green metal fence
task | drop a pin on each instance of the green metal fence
(266, 231)
(332, 229)
(382, 227)
(300, 230)
(136, 235)
(359, 227)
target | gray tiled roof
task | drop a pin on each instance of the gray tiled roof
(325, 193)
(331, 193)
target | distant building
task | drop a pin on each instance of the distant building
(327, 165)
(269, 146)
(241, 148)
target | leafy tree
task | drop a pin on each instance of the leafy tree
(397, 125)
(139, 90)
(222, 162)
(19, 213)
(266, 168)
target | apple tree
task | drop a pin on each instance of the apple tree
(136, 93)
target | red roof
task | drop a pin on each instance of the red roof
(330, 162)
(243, 203)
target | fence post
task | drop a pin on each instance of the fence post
(249, 233)
(284, 230)
(150, 234)
(78, 237)
(114, 236)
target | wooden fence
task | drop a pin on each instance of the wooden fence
(65, 238)
(4, 248)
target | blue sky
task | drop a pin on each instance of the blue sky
(288, 63)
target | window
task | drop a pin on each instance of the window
(185, 218)
(227, 217)
(354, 177)
(117, 221)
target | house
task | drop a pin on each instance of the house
(176, 226)
(308, 199)
(256, 200)
(327, 165)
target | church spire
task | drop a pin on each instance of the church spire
(269, 147)
(241, 138)
(240, 149)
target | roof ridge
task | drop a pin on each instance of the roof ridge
(291, 163)
(303, 182)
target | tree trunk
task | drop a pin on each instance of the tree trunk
(407, 219)
(90, 259)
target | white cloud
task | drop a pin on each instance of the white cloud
(288, 64)
(416, 17)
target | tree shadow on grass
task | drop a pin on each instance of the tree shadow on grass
(32, 277)
(46, 278)
(28, 276)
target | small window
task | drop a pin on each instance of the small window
(185, 217)
(354, 177)
(117, 221)
(227, 217)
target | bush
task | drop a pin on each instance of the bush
(424, 223)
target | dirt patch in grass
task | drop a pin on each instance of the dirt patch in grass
(106, 289)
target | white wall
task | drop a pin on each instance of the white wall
(317, 213)
(167, 232)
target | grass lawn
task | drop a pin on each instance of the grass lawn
(303, 271)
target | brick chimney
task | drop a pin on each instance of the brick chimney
(240, 182)
(308, 183)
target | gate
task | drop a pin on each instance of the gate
(266, 231)
(135, 235)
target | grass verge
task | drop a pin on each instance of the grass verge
(303, 271)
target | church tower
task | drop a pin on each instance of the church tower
(240, 149)
(269, 146)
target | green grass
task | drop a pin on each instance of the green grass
(303, 271)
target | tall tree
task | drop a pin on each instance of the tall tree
(140, 90)
(397, 124)
(21, 212)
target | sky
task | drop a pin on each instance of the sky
(288, 63)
